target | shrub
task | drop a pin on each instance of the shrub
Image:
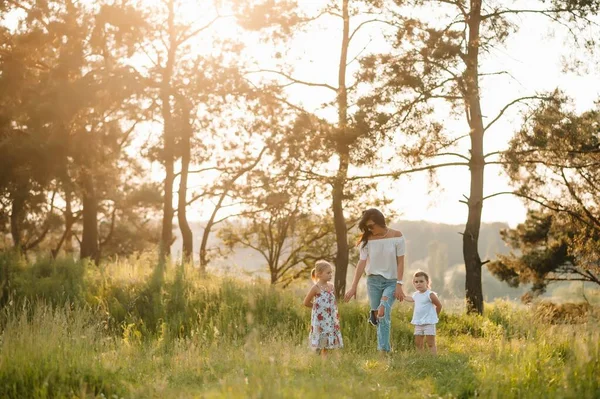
(567, 313)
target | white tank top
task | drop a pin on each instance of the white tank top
(424, 312)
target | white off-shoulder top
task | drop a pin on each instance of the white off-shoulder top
(382, 255)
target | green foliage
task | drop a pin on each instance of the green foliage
(53, 354)
(57, 282)
(514, 322)
(543, 252)
(228, 338)
(10, 263)
(66, 110)
(553, 162)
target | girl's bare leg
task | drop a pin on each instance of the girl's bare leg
(336, 354)
(323, 353)
(419, 340)
(431, 343)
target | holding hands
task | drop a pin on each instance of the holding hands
(349, 294)
(399, 293)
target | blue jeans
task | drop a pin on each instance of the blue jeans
(378, 287)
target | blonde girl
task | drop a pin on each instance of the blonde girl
(325, 330)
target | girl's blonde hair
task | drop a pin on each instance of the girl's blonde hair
(421, 273)
(320, 266)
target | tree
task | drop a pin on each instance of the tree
(544, 253)
(78, 92)
(328, 150)
(553, 162)
(132, 226)
(436, 61)
(235, 124)
(167, 49)
(226, 189)
(288, 238)
(194, 84)
(26, 153)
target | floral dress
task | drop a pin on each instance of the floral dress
(325, 322)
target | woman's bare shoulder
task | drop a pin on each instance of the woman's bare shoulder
(395, 233)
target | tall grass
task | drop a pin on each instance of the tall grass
(48, 352)
(140, 329)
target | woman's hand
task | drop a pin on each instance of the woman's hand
(360, 269)
(349, 294)
(399, 293)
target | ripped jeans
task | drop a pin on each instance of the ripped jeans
(377, 288)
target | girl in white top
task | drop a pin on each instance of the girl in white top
(426, 311)
(382, 256)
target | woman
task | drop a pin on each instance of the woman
(382, 254)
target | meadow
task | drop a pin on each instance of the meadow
(142, 329)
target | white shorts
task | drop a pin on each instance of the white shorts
(425, 329)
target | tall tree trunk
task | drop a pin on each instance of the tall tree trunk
(274, 276)
(168, 138)
(341, 235)
(16, 218)
(184, 227)
(89, 239)
(207, 229)
(66, 238)
(70, 220)
(341, 230)
(168, 160)
(473, 289)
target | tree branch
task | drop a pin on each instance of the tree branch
(359, 53)
(506, 107)
(198, 171)
(188, 36)
(404, 172)
(454, 154)
(546, 163)
(294, 80)
(578, 200)
(537, 150)
(525, 11)
(365, 23)
(458, 5)
(543, 204)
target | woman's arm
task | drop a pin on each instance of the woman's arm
(399, 293)
(360, 269)
(436, 302)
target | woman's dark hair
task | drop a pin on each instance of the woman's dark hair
(373, 215)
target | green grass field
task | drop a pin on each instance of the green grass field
(137, 330)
